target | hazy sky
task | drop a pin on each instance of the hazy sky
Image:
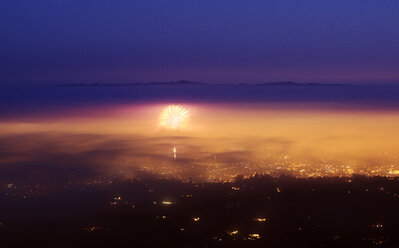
(208, 40)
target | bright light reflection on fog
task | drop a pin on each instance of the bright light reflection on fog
(219, 142)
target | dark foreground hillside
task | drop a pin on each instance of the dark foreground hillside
(256, 212)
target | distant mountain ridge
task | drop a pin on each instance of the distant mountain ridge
(290, 83)
(193, 83)
(173, 83)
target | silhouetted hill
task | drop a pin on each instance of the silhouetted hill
(173, 83)
(179, 83)
(193, 83)
(290, 83)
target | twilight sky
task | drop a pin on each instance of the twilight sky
(57, 41)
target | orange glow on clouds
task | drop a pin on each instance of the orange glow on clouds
(221, 142)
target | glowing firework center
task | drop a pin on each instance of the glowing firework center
(173, 117)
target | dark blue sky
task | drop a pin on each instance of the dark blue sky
(208, 40)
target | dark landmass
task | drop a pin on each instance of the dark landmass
(175, 83)
(289, 83)
(256, 212)
(192, 83)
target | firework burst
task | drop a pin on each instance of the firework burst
(173, 117)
